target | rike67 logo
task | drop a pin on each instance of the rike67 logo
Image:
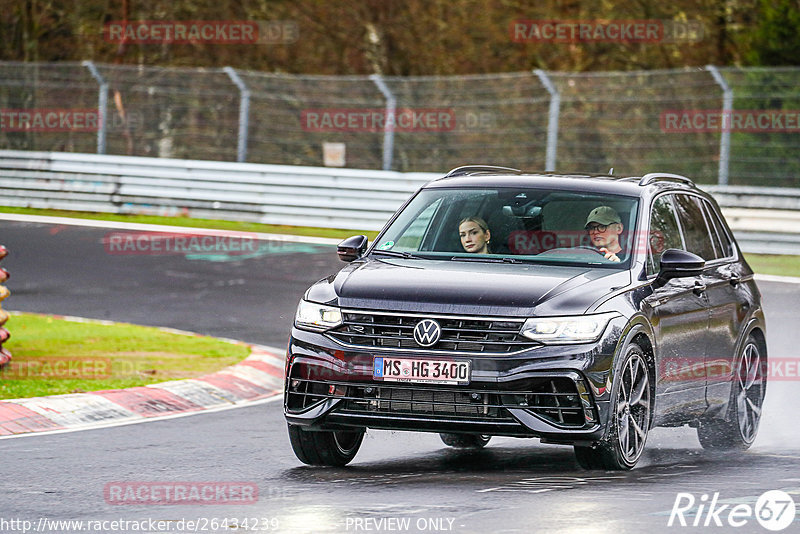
(774, 510)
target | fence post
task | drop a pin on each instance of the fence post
(244, 113)
(727, 116)
(388, 128)
(552, 119)
(102, 106)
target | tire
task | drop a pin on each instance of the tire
(749, 384)
(629, 418)
(465, 441)
(325, 447)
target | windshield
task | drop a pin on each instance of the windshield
(514, 224)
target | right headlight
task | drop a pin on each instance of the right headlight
(313, 316)
(567, 329)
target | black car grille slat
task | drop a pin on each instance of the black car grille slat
(555, 399)
(426, 402)
(410, 327)
(487, 336)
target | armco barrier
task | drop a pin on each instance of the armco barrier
(5, 356)
(764, 219)
(271, 194)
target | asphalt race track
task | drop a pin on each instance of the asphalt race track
(399, 482)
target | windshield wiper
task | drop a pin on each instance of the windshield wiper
(396, 254)
(485, 259)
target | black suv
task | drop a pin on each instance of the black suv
(578, 309)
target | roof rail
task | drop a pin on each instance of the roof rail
(469, 169)
(654, 176)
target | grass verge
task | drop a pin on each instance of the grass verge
(55, 356)
(196, 223)
(779, 265)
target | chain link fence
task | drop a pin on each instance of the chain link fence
(714, 125)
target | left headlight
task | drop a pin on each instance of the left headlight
(315, 316)
(573, 329)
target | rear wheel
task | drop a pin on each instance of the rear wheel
(629, 419)
(465, 441)
(325, 447)
(747, 397)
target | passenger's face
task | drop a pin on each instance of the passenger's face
(473, 237)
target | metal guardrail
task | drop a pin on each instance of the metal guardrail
(768, 243)
(759, 228)
(271, 194)
(765, 220)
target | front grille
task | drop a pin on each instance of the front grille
(402, 400)
(459, 334)
(561, 400)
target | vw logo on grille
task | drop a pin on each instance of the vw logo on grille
(427, 332)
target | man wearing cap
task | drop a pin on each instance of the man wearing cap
(604, 226)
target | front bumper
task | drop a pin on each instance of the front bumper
(557, 393)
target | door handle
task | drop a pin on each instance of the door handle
(699, 288)
(734, 279)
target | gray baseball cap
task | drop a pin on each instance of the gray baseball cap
(603, 215)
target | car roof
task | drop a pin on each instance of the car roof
(586, 182)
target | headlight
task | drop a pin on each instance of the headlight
(317, 316)
(575, 329)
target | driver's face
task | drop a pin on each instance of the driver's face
(608, 236)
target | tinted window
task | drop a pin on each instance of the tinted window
(696, 234)
(664, 232)
(721, 241)
(534, 225)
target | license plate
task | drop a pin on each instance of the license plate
(455, 372)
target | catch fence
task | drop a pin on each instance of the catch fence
(726, 126)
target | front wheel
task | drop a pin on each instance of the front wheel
(465, 441)
(747, 398)
(629, 419)
(332, 448)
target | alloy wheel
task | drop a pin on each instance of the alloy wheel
(749, 391)
(633, 408)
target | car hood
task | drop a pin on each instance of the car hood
(452, 287)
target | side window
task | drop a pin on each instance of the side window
(695, 231)
(664, 232)
(721, 240)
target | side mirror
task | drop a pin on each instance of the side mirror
(678, 264)
(352, 248)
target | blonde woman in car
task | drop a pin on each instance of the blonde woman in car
(475, 235)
